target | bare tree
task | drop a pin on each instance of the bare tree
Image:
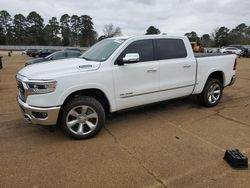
(111, 31)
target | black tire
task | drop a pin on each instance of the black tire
(205, 99)
(73, 104)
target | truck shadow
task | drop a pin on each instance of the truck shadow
(174, 104)
(20, 129)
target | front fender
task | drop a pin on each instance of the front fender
(76, 88)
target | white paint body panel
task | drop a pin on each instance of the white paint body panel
(208, 65)
(134, 79)
(177, 76)
(129, 85)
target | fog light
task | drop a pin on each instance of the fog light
(40, 115)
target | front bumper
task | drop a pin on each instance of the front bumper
(38, 115)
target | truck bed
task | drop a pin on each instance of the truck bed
(199, 55)
(207, 62)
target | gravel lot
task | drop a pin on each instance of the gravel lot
(169, 144)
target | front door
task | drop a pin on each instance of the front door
(137, 83)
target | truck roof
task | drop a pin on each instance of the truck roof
(148, 37)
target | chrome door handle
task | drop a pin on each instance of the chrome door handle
(152, 70)
(187, 66)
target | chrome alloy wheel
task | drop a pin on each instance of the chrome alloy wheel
(82, 120)
(214, 93)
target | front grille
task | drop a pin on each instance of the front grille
(21, 90)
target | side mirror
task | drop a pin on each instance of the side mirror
(131, 58)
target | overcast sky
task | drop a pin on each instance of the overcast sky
(174, 17)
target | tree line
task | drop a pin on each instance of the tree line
(79, 31)
(223, 36)
(67, 31)
(220, 37)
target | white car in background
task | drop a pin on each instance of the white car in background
(24, 52)
(231, 50)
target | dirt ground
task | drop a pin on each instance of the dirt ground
(169, 144)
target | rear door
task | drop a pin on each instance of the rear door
(177, 69)
(137, 83)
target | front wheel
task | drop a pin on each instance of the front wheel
(211, 94)
(82, 117)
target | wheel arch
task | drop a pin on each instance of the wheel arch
(96, 93)
(219, 75)
(202, 80)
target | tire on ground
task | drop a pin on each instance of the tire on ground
(203, 98)
(83, 100)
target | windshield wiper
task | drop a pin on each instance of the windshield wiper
(91, 59)
(86, 58)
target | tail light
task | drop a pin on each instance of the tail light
(235, 64)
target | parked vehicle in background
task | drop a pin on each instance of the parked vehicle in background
(120, 73)
(248, 51)
(243, 49)
(24, 52)
(54, 56)
(231, 50)
(73, 49)
(42, 53)
(211, 50)
(30, 51)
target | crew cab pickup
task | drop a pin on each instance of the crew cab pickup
(120, 73)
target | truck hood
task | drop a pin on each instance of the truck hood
(53, 69)
(37, 60)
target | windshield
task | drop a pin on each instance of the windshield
(101, 51)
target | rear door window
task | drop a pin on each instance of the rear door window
(170, 49)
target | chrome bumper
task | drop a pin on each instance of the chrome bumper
(31, 114)
(233, 79)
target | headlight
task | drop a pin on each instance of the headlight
(41, 87)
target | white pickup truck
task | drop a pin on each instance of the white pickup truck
(116, 74)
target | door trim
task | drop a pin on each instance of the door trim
(126, 96)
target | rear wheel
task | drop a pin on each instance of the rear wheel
(211, 94)
(82, 117)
